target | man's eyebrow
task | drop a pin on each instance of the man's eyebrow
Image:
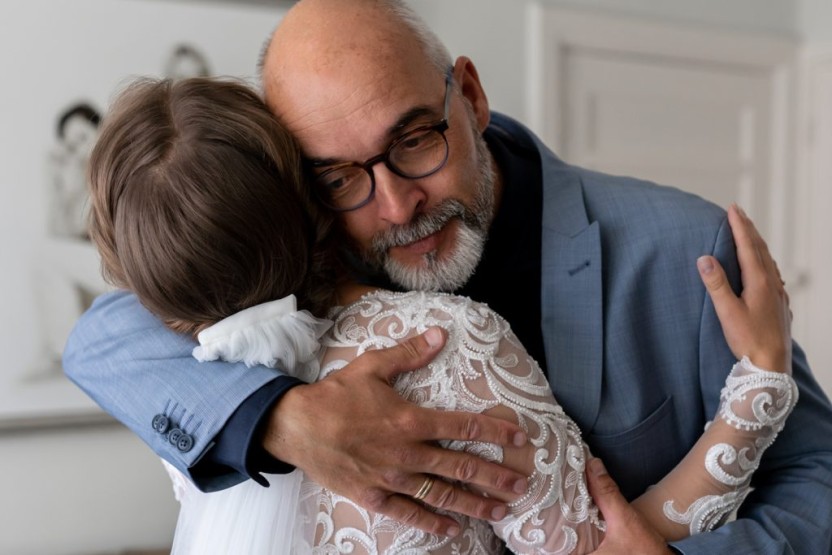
(393, 132)
(407, 118)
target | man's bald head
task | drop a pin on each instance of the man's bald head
(346, 38)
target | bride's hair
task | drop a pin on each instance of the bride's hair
(199, 205)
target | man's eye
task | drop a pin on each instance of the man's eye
(415, 141)
(339, 183)
(333, 185)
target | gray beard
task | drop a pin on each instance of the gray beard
(456, 267)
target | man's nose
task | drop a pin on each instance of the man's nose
(398, 197)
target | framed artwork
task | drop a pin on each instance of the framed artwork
(82, 53)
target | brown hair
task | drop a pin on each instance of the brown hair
(198, 203)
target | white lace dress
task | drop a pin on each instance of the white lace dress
(483, 369)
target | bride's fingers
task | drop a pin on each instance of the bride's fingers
(726, 303)
(743, 225)
(748, 254)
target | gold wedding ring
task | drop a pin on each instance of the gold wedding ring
(425, 489)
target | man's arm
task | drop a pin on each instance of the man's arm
(353, 433)
(144, 375)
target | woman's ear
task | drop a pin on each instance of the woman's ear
(469, 82)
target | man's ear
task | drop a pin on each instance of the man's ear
(469, 82)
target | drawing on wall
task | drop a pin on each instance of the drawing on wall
(186, 61)
(76, 133)
(67, 275)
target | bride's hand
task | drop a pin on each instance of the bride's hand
(757, 324)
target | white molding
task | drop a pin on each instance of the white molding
(664, 39)
(534, 88)
(813, 305)
(781, 203)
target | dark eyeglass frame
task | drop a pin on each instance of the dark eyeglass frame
(439, 127)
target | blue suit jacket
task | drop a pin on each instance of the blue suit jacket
(635, 355)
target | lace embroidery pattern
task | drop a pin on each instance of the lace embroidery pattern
(482, 366)
(754, 401)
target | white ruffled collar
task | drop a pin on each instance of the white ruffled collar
(273, 334)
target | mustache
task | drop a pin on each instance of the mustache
(422, 225)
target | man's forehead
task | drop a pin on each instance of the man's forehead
(323, 57)
(333, 117)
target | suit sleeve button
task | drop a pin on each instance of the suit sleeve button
(161, 423)
(185, 443)
(174, 436)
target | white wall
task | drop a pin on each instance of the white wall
(765, 16)
(95, 489)
(815, 20)
(494, 33)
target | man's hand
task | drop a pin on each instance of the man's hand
(353, 434)
(758, 323)
(628, 533)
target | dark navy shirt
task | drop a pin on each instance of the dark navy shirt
(508, 275)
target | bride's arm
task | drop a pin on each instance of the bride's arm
(715, 476)
(754, 403)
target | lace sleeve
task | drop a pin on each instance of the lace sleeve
(556, 514)
(715, 477)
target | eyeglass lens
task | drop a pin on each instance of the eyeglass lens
(418, 153)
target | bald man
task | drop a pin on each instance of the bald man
(593, 272)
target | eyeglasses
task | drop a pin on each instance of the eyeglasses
(418, 153)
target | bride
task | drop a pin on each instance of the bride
(230, 184)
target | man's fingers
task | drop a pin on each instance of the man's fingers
(447, 496)
(467, 468)
(408, 355)
(412, 513)
(474, 471)
(467, 426)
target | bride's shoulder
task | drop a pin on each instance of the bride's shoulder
(419, 308)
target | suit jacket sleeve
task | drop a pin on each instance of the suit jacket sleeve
(144, 375)
(790, 510)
